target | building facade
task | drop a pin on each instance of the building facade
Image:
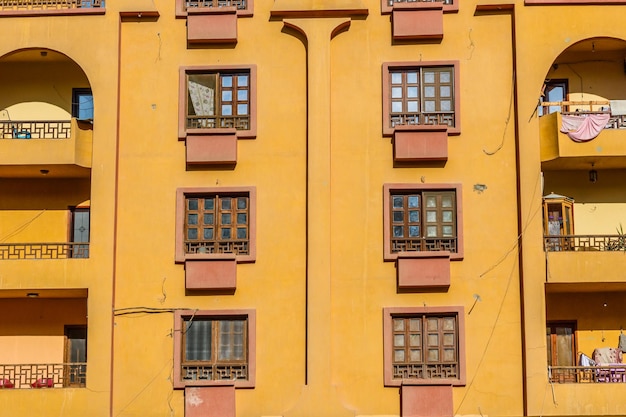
(312, 208)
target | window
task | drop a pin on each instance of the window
(215, 346)
(244, 7)
(79, 232)
(216, 222)
(82, 104)
(448, 5)
(76, 355)
(561, 343)
(422, 219)
(420, 95)
(218, 98)
(554, 91)
(424, 345)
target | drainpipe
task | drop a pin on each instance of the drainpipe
(509, 9)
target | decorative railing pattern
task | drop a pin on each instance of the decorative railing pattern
(585, 374)
(56, 375)
(58, 129)
(238, 247)
(426, 371)
(615, 122)
(424, 244)
(214, 372)
(410, 119)
(49, 4)
(570, 243)
(239, 4)
(392, 2)
(218, 122)
(9, 251)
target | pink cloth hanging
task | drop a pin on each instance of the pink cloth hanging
(583, 128)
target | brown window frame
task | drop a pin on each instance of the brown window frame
(243, 249)
(386, 6)
(237, 372)
(422, 243)
(247, 11)
(244, 125)
(418, 372)
(420, 117)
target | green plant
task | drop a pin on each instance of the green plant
(620, 242)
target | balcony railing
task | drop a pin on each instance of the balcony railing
(424, 244)
(49, 4)
(587, 108)
(422, 119)
(50, 375)
(392, 2)
(585, 243)
(238, 247)
(10, 251)
(218, 122)
(215, 372)
(57, 129)
(585, 374)
(239, 4)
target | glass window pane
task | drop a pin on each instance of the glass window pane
(429, 106)
(414, 231)
(209, 203)
(449, 355)
(398, 231)
(446, 216)
(415, 324)
(429, 77)
(227, 110)
(242, 109)
(242, 203)
(242, 80)
(192, 204)
(445, 76)
(433, 339)
(192, 219)
(429, 92)
(416, 355)
(192, 234)
(432, 324)
(227, 95)
(242, 218)
(431, 231)
(226, 203)
(398, 340)
(198, 340)
(396, 78)
(208, 233)
(226, 233)
(446, 201)
(396, 106)
(242, 95)
(398, 355)
(446, 105)
(414, 216)
(411, 106)
(412, 92)
(448, 339)
(209, 218)
(449, 323)
(398, 324)
(227, 81)
(446, 231)
(411, 77)
(431, 201)
(414, 201)
(396, 92)
(433, 355)
(415, 340)
(398, 216)
(398, 201)
(242, 233)
(226, 218)
(444, 91)
(431, 216)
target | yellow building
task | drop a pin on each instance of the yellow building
(302, 208)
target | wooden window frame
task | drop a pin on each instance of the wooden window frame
(558, 375)
(403, 67)
(218, 72)
(389, 190)
(184, 316)
(182, 195)
(391, 313)
(452, 6)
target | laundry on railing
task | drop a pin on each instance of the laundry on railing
(585, 127)
(618, 107)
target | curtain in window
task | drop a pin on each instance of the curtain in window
(202, 98)
(198, 340)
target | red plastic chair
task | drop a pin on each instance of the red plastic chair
(5, 383)
(43, 383)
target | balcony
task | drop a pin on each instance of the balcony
(29, 148)
(63, 250)
(558, 151)
(47, 346)
(588, 374)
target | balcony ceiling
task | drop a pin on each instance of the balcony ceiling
(44, 293)
(39, 171)
(35, 55)
(585, 287)
(584, 163)
(595, 48)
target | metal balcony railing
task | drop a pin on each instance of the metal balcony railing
(569, 243)
(9, 251)
(49, 375)
(56, 129)
(49, 4)
(614, 373)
